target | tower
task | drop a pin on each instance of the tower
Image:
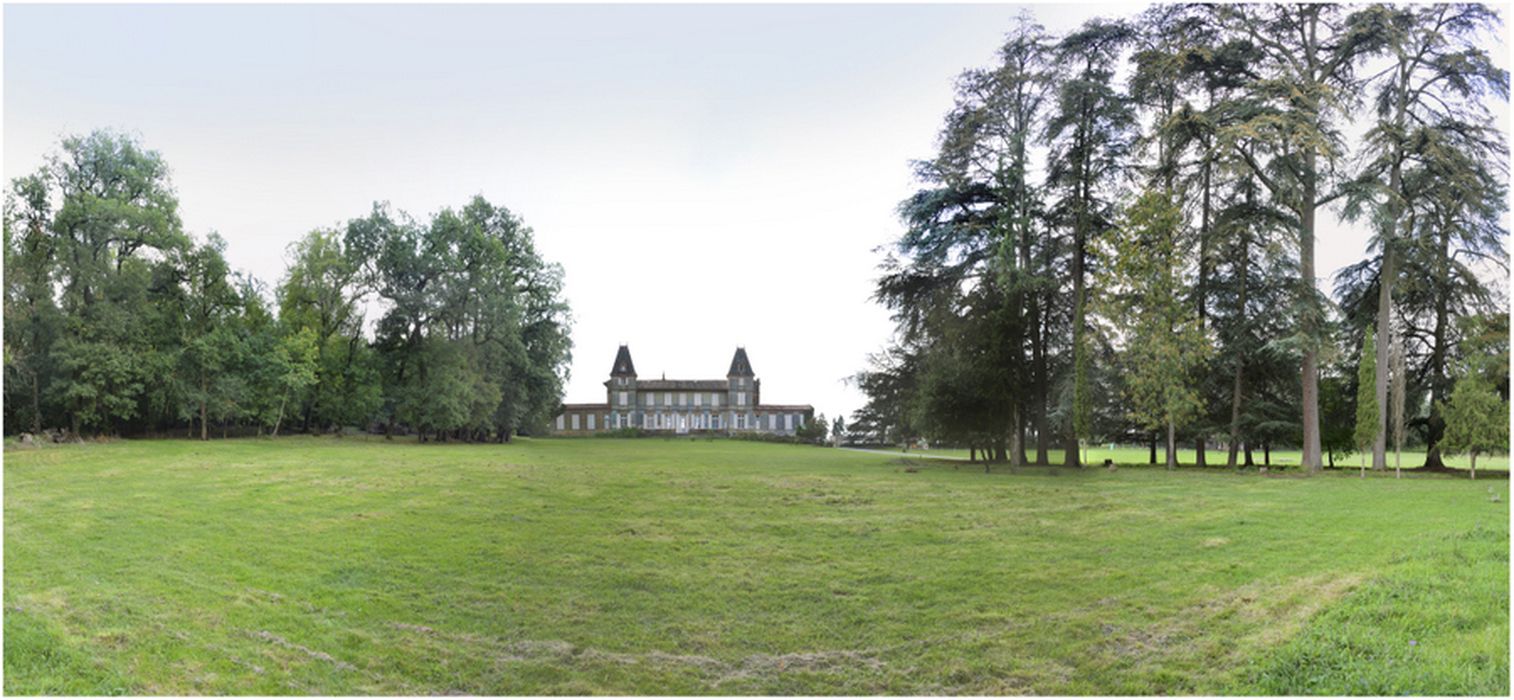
(741, 389)
(620, 390)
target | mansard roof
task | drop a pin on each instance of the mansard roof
(623, 364)
(682, 385)
(740, 366)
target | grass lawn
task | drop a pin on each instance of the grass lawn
(351, 566)
(1126, 454)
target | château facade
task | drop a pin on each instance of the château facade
(682, 406)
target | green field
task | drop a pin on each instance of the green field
(352, 566)
(1126, 454)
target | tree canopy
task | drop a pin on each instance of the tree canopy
(120, 322)
(1110, 254)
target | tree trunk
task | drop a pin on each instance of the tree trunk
(1043, 384)
(1235, 414)
(1079, 306)
(280, 418)
(1384, 344)
(1386, 276)
(1016, 437)
(1250, 459)
(204, 427)
(1153, 459)
(1202, 290)
(1267, 454)
(36, 403)
(1310, 370)
(1435, 427)
(1472, 474)
(1172, 445)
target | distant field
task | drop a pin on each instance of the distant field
(352, 566)
(1186, 456)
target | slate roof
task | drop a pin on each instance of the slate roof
(623, 364)
(740, 366)
(682, 385)
(782, 407)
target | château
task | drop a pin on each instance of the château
(682, 406)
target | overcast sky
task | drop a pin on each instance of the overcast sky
(708, 176)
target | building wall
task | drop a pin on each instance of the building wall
(736, 407)
(675, 419)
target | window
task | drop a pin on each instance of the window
(683, 398)
(667, 398)
(715, 400)
(575, 421)
(648, 399)
(788, 421)
(698, 399)
(559, 422)
(622, 398)
(741, 398)
(591, 421)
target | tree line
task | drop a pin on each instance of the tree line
(119, 322)
(1115, 239)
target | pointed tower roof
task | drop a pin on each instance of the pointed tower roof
(740, 366)
(623, 364)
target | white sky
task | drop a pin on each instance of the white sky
(708, 176)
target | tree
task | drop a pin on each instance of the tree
(293, 369)
(322, 291)
(474, 338)
(1477, 420)
(209, 348)
(838, 430)
(975, 255)
(889, 384)
(1181, 73)
(1304, 81)
(1368, 430)
(1089, 135)
(1338, 438)
(1146, 304)
(1399, 382)
(814, 430)
(1438, 75)
(33, 321)
(114, 237)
